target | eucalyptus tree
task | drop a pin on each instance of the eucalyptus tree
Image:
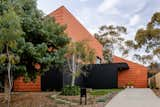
(147, 39)
(111, 38)
(79, 54)
(10, 32)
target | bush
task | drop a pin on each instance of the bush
(70, 90)
(153, 84)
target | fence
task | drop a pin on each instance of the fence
(154, 81)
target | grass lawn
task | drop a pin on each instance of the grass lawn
(94, 97)
(101, 92)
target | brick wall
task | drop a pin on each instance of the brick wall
(21, 86)
(137, 74)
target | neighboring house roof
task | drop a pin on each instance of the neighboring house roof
(75, 30)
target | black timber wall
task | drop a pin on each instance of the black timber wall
(99, 76)
(52, 80)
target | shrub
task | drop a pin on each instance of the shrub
(153, 85)
(71, 90)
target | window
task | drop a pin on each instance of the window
(98, 60)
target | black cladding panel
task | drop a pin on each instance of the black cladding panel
(102, 76)
(99, 76)
(51, 80)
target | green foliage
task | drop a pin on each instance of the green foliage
(71, 90)
(30, 35)
(101, 92)
(152, 85)
(82, 51)
(111, 37)
(78, 54)
(8, 34)
(147, 39)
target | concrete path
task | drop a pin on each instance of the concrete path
(135, 98)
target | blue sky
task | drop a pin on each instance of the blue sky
(133, 14)
(92, 14)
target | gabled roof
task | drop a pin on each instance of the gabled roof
(75, 30)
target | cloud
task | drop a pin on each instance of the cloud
(134, 20)
(83, 0)
(108, 6)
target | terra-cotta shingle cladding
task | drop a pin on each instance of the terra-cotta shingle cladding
(137, 74)
(20, 85)
(75, 30)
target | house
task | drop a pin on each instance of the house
(137, 74)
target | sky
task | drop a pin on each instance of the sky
(133, 14)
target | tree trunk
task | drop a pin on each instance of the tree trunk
(9, 75)
(73, 70)
(6, 86)
(73, 80)
(10, 83)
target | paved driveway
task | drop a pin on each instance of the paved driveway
(135, 98)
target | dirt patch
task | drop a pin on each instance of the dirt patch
(43, 99)
(29, 100)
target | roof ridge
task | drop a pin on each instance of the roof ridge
(65, 9)
(61, 7)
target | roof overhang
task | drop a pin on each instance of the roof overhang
(122, 66)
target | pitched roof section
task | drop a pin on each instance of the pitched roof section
(118, 59)
(75, 29)
(78, 32)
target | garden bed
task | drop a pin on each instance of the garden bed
(97, 98)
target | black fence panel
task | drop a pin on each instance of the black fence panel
(1, 82)
(98, 76)
(52, 80)
(56, 80)
(101, 76)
